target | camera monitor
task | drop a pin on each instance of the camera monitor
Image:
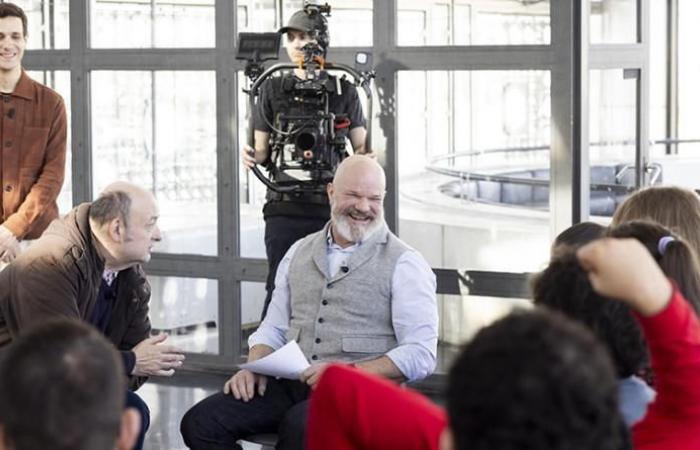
(258, 46)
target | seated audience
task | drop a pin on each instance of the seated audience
(675, 208)
(564, 287)
(87, 266)
(535, 381)
(61, 388)
(352, 293)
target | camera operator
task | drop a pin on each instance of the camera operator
(289, 217)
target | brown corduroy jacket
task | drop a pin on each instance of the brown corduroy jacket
(33, 130)
(59, 275)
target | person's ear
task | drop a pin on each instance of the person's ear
(447, 441)
(329, 190)
(129, 429)
(115, 229)
(4, 444)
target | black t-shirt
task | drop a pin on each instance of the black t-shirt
(275, 98)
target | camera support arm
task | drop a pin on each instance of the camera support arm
(362, 79)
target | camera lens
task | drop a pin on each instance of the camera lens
(305, 141)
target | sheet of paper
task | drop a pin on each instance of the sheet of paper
(287, 362)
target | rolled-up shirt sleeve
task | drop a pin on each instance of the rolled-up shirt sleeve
(272, 331)
(414, 316)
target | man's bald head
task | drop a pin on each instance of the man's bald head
(357, 199)
(115, 201)
(133, 190)
(360, 166)
(124, 220)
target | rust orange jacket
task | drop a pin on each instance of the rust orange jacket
(33, 130)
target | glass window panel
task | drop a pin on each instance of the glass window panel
(681, 165)
(257, 16)
(612, 136)
(252, 301)
(187, 309)
(688, 88)
(158, 130)
(472, 22)
(613, 21)
(251, 190)
(462, 316)
(152, 23)
(350, 23)
(457, 129)
(47, 23)
(657, 74)
(59, 80)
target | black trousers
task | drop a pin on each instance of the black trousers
(280, 233)
(217, 422)
(134, 401)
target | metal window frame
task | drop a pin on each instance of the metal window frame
(568, 58)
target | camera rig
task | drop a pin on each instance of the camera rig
(307, 140)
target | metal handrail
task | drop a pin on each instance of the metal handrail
(653, 168)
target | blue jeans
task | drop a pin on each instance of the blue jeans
(217, 422)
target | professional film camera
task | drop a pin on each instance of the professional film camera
(307, 141)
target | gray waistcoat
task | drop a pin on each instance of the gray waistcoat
(347, 317)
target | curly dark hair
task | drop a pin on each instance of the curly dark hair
(534, 381)
(564, 286)
(678, 262)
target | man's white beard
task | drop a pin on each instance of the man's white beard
(354, 232)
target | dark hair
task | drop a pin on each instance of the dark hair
(678, 262)
(564, 286)
(12, 10)
(110, 205)
(534, 381)
(579, 234)
(61, 387)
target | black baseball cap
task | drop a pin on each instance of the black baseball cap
(302, 21)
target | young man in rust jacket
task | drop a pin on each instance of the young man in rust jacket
(87, 266)
(33, 138)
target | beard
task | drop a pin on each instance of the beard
(355, 232)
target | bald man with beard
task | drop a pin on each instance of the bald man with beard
(87, 266)
(352, 293)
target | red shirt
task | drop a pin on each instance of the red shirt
(673, 420)
(351, 410)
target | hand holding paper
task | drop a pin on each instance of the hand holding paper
(287, 362)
